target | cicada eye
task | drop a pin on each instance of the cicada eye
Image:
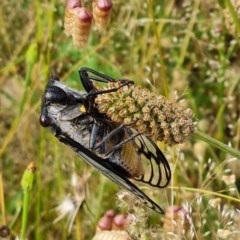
(45, 120)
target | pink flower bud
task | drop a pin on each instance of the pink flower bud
(83, 14)
(104, 5)
(73, 4)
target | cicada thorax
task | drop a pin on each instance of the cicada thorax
(126, 157)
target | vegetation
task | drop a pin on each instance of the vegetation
(180, 49)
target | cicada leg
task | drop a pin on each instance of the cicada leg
(87, 75)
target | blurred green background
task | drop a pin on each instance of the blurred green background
(185, 49)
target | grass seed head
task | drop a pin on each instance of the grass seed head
(77, 23)
(152, 115)
(101, 13)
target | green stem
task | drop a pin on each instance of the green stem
(189, 32)
(233, 15)
(26, 199)
(27, 186)
(159, 49)
(207, 192)
(212, 141)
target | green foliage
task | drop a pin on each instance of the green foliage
(185, 46)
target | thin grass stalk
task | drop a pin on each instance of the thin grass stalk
(214, 142)
(160, 51)
(27, 186)
(189, 32)
(233, 15)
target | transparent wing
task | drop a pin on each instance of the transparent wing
(139, 157)
(108, 170)
(144, 161)
(71, 112)
(157, 172)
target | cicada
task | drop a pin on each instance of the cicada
(118, 151)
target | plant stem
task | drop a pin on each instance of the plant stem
(214, 142)
(233, 15)
(27, 185)
(207, 192)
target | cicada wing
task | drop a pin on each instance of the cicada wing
(71, 112)
(109, 171)
(140, 158)
(157, 172)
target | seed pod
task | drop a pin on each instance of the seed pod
(69, 15)
(78, 22)
(152, 115)
(101, 13)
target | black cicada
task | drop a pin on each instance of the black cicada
(116, 150)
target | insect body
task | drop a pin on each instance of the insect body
(116, 150)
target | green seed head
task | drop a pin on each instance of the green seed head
(152, 115)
